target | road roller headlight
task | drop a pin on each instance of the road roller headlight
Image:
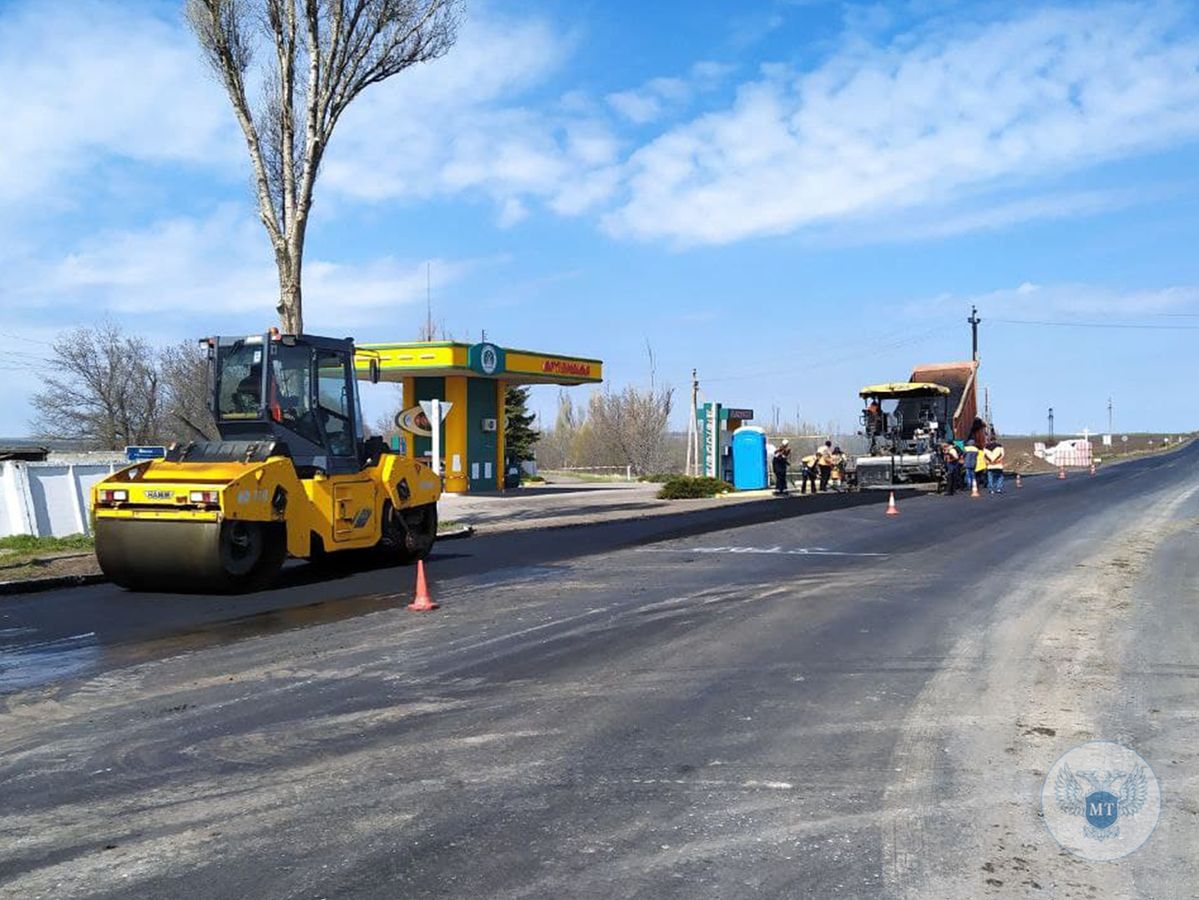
(109, 496)
(205, 498)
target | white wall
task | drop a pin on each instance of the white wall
(48, 498)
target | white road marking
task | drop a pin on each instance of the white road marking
(770, 551)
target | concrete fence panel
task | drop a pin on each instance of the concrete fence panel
(48, 498)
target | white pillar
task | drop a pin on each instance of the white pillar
(18, 500)
(435, 424)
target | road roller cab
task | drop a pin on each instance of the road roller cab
(292, 474)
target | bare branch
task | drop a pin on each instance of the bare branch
(347, 46)
(220, 27)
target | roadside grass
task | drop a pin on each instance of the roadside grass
(588, 476)
(24, 556)
(686, 487)
(30, 545)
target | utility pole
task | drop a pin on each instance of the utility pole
(1109, 415)
(1051, 423)
(974, 320)
(692, 427)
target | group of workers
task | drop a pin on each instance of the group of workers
(974, 467)
(973, 464)
(819, 467)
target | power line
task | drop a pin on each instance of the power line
(28, 340)
(854, 350)
(1125, 325)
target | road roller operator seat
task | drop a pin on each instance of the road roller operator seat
(296, 390)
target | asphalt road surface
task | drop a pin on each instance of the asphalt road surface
(830, 705)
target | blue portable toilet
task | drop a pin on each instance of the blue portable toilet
(750, 472)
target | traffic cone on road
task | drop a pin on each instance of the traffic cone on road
(1019, 483)
(1092, 468)
(974, 488)
(422, 602)
(892, 509)
(1061, 473)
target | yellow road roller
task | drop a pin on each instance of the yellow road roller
(292, 475)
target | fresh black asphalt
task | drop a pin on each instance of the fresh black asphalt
(675, 710)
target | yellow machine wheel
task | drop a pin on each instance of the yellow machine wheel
(225, 557)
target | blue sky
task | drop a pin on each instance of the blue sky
(796, 198)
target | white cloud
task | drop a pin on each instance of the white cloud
(1087, 303)
(650, 101)
(456, 127)
(213, 268)
(90, 82)
(84, 81)
(637, 106)
(973, 212)
(875, 129)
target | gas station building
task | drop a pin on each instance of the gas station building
(473, 378)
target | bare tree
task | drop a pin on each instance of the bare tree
(186, 396)
(385, 425)
(326, 52)
(106, 389)
(554, 449)
(636, 422)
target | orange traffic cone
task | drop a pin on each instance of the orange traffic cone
(892, 509)
(1019, 483)
(974, 487)
(422, 602)
(1061, 473)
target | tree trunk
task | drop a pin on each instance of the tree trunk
(291, 319)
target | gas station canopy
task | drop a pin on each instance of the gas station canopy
(444, 359)
(472, 381)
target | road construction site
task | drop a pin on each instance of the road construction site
(801, 697)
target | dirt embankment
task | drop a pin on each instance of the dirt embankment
(1021, 458)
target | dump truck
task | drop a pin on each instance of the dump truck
(292, 475)
(961, 378)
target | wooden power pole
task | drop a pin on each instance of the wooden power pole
(693, 428)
